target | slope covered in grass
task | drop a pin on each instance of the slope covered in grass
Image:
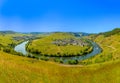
(9, 39)
(110, 45)
(17, 69)
(63, 45)
(112, 32)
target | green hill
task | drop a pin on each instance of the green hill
(110, 33)
(110, 45)
(60, 44)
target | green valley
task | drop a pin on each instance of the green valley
(101, 68)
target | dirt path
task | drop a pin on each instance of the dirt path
(112, 47)
(67, 65)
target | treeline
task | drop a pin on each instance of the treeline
(61, 54)
(70, 61)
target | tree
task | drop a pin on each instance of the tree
(72, 61)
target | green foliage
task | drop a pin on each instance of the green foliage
(58, 60)
(44, 58)
(72, 62)
(99, 60)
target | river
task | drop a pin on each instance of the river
(96, 50)
(21, 48)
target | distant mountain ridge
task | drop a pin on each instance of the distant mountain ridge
(8, 32)
(77, 34)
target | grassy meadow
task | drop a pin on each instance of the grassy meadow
(18, 69)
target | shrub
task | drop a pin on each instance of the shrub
(99, 60)
(44, 58)
(8, 50)
(58, 60)
(72, 61)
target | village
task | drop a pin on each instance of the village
(75, 42)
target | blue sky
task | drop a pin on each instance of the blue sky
(91, 16)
